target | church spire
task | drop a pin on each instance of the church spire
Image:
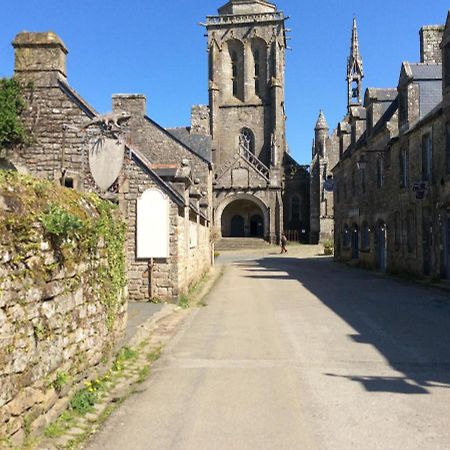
(355, 72)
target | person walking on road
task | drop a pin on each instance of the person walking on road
(283, 243)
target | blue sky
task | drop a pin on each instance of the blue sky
(157, 48)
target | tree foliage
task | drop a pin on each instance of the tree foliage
(12, 103)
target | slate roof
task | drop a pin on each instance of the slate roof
(424, 71)
(198, 143)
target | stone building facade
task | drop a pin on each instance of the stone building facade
(327, 148)
(392, 182)
(253, 174)
(63, 149)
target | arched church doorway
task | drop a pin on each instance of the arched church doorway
(237, 226)
(243, 218)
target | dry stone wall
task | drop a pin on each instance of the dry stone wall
(62, 298)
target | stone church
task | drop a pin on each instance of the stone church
(258, 189)
(327, 148)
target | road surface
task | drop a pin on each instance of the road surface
(296, 353)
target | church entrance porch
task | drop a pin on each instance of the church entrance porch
(243, 218)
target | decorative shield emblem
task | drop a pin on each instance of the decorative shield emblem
(106, 160)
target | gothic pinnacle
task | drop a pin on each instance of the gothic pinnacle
(321, 122)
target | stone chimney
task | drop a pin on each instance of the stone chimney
(200, 120)
(39, 56)
(135, 104)
(430, 41)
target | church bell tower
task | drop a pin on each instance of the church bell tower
(246, 47)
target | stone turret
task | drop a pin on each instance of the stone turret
(355, 72)
(40, 57)
(321, 134)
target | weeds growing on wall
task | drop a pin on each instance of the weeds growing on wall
(78, 228)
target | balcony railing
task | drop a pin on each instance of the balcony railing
(258, 165)
(244, 18)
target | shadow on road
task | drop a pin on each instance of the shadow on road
(408, 324)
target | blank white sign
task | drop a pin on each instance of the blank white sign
(152, 225)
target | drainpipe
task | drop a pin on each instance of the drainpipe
(150, 278)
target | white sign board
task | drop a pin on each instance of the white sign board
(152, 225)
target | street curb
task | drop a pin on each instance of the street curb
(144, 330)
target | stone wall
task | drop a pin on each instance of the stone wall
(62, 309)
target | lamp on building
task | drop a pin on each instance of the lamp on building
(361, 163)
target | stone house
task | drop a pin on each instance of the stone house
(258, 189)
(68, 138)
(392, 182)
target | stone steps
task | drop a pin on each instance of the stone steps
(240, 243)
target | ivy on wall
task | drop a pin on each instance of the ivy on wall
(79, 228)
(12, 103)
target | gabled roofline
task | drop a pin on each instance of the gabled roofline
(76, 97)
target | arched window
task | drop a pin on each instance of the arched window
(259, 53)
(380, 172)
(256, 57)
(234, 72)
(247, 141)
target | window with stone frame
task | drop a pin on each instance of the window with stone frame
(404, 167)
(365, 236)
(353, 182)
(380, 172)
(410, 231)
(346, 237)
(247, 141)
(427, 157)
(397, 230)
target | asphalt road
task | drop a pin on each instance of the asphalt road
(298, 354)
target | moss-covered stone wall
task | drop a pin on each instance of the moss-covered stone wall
(62, 297)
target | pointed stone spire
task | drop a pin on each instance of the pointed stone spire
(321, 122)
(355, 72)
(320, 135)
